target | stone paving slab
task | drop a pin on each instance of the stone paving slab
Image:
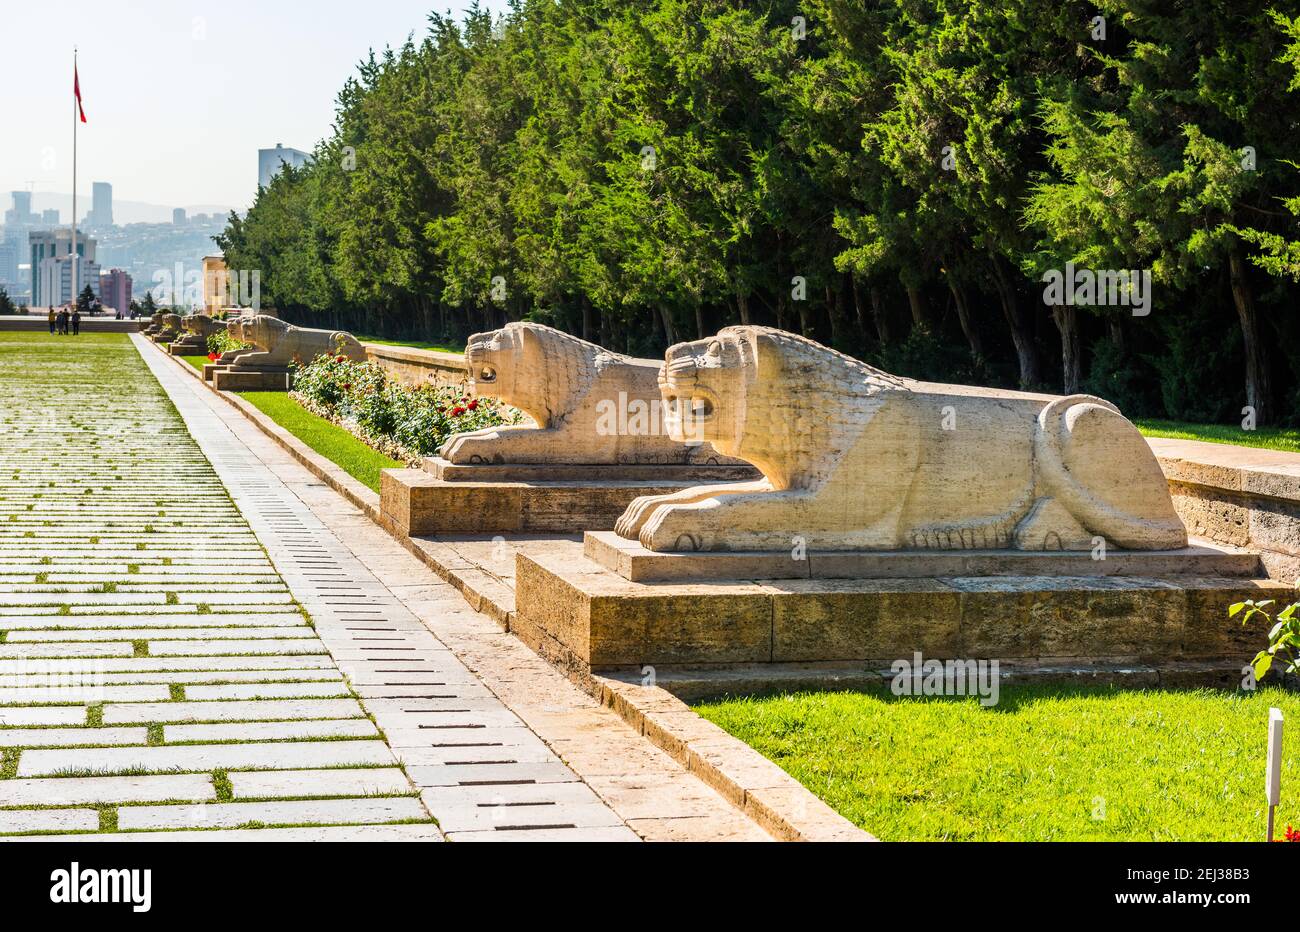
(234, 711)
(70, 737)
(303, 812)
(272, 731)
(343, 833)
(367, 782)
(266, 691)
(49, 820)
(289, 754)
(71, 791)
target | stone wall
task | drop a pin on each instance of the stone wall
(1238, 495)
(417, 366)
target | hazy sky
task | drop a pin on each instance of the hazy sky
(180, 95)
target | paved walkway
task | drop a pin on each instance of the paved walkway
(209, 597)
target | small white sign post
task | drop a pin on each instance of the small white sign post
(1273, 777)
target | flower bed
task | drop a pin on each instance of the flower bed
(404, 422)
(221, 342)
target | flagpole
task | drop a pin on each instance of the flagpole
(75, 263)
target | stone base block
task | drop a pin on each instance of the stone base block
(585, 618)
(181, 348)
(250, 380)
(413, 503)
(632, 561)
(210, 369)
(682, 475)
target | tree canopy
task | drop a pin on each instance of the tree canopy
(892, 177)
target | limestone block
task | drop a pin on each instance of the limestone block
(413, 502)
(1218, 516)
(856, 459)
(833, 620)
(589, 405)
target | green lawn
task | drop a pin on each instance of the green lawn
(198, 362)
(334, 443)
(414, 344)
(1270, 438)
(1157, 765)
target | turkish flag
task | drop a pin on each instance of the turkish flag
(76, 89)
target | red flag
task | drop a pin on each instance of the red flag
(76, 89)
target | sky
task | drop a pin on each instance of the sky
(179, 95)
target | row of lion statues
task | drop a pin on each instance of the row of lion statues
(851, 457)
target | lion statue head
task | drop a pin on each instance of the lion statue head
(199, 324)
(749, 392)
(537, 369)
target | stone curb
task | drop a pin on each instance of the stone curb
(779, 803)
(768, 795)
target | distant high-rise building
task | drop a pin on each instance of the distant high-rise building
(54, 280)
(101, 210)
(115, 289)
(50, 217)
(9, 265)
(57, 244)
(270, 161)
(22, 209)
(178, 216)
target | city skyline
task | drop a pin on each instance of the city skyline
(199, 154)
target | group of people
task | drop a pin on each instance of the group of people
(64, 321)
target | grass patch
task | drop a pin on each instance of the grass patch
(9, 763)
(221, 784)
(1044, 764)
(334, 443)
(1267, 438)
(414, 344)
(197, 362)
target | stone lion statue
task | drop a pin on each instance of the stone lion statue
(856, 459)
(589, 405)
(201, 325)
(277, 344)
(155, 324)
(170, 328)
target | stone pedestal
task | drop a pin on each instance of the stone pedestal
(237, 379)
(584, 616)
(188, 346)
(415, 502)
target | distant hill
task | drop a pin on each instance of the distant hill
(123, 211)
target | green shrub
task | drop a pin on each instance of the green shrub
(398, 419)
(222, 342)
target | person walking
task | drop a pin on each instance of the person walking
(53, 320)
(63, 322)
(76, 322)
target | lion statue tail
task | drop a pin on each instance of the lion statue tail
(1091, 462)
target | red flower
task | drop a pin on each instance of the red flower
(212, 357)
(338, 358)
(219, 355)
(473, 404)
(1292, 834)
(457, 411)
(346, 386)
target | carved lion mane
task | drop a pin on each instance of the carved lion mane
(855, 458)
